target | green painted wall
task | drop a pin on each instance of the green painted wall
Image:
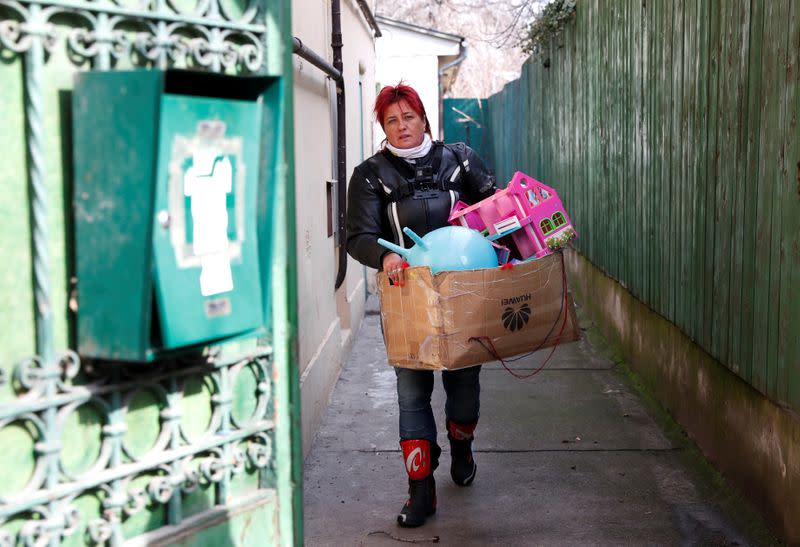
(465, 121)
(670, 131)
(16, 293)
(249, 528)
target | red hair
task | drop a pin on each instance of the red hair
(390, 95)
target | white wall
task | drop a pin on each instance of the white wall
(421, 73)
(359, 68)
(412, 56)
(328, 319)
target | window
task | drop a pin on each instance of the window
(546, 226)
(558, 219)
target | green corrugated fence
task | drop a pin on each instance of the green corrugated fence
(669, 129)
(465, 121)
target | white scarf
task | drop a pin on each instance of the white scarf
(409, 154)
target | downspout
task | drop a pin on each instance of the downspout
(462, 54)
(335, 72)
(309, 55)
(369, 17)
(341, 140)
(361, 70)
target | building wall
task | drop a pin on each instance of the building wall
(16, 291)
(328, 319)
(421, 73)
(359, 69)
(413, 57)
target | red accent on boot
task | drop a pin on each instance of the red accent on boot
(417, 456)
(461, 432)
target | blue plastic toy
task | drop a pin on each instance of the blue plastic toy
(448, 248)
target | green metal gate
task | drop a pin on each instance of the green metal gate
(201, 449)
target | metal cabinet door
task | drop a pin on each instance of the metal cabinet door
(206, 253)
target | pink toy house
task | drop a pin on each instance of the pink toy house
(527, 211)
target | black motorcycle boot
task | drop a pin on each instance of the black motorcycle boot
(462, 465)
(421, 501)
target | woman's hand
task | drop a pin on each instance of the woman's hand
(394, 266)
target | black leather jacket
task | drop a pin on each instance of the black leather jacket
(387, 194)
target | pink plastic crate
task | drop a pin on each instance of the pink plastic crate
(527, 211)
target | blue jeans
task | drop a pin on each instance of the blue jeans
(414, 389)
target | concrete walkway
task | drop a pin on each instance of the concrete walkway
(571, 456)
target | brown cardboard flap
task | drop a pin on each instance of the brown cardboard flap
(428, 323)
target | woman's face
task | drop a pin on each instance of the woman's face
(404, 128)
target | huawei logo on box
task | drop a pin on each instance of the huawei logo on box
(516, 299)
(516, 318)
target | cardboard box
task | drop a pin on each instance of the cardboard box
(429, 322)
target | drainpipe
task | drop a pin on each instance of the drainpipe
(462, 54)
(365, 9)
(341, 140)
(335, 72)
(303, 52)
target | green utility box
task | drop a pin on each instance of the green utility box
(167, 171)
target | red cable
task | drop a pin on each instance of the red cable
(493, 350)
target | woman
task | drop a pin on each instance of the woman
(415, 181)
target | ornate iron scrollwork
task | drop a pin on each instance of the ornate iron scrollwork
(59, 523)
(180, 464)
(102, 38)
(160, 489)
(260, 450)
(163, 35)
(109, 33)
(27, 26)
(32, 374)
(137, 500)
(99, 531)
